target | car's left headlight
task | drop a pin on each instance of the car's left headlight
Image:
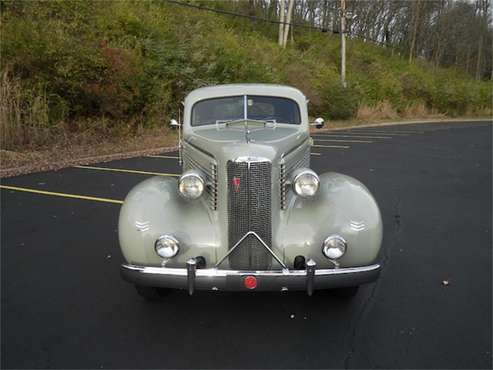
(305, 183)
(191, 184)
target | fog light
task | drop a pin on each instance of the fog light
(334, 247)
(167, 246)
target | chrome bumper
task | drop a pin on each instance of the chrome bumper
(192, 279)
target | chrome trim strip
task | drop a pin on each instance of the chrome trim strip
(248, 159)
(245, 108)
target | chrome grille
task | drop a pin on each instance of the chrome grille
(195, 159)
(249, 209)
(299, 158)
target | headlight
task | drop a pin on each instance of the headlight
(305, 183)
(167, 246)
(334, 247)
(191, 184)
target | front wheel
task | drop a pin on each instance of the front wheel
(345, 293)
(151, 294)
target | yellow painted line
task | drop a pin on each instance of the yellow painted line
(127, 171)
(345, 141)
(354, 136)
(316, 153)
(64, 195)
(163, 156)
(332, 146)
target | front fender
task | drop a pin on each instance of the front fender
(342, 206)
(153, 208)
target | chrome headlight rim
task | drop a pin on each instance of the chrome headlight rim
(334, 247)
(167, 246)
(297, 177)
(186, 176)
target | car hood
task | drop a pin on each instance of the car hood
(228, 144)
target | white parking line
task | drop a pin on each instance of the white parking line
(316, 154)
(345, 141)
(332, 146)
(353, 136)
(369, 132)
(163, 156)
(127, 171)
(390, 131)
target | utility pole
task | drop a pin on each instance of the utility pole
(343, 43)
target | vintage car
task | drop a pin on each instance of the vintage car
(248, 213)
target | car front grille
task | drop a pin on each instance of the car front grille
(249, 209)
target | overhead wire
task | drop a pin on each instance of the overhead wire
(260, 19)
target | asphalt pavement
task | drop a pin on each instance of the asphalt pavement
(64, 305)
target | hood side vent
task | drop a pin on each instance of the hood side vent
(298, 158)
(197, 160)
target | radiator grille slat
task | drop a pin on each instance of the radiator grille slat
(249, 209)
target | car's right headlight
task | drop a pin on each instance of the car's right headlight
(305, 183)
(191, 184)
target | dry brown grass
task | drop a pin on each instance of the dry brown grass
(381, 111)
(23, 114)
(385, 111)
(419, 110)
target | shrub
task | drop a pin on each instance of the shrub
(340, 103)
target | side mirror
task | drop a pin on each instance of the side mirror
(319, 122)
(174, 124)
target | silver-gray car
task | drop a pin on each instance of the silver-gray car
(248, 213)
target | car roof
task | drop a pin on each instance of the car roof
(245, 89)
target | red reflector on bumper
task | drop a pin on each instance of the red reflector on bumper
(250, 282)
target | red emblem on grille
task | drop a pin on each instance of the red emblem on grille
(236, 182)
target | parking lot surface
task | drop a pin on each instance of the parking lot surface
(64, 304)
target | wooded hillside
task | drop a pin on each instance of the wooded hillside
(118, 67)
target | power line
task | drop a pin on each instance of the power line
(255, 18)
(252, 17)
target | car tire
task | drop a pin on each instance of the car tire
(150, 293)
(345, 293)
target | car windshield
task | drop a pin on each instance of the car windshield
(232, 108)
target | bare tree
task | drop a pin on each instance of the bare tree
(281, 25)
(288, 21)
